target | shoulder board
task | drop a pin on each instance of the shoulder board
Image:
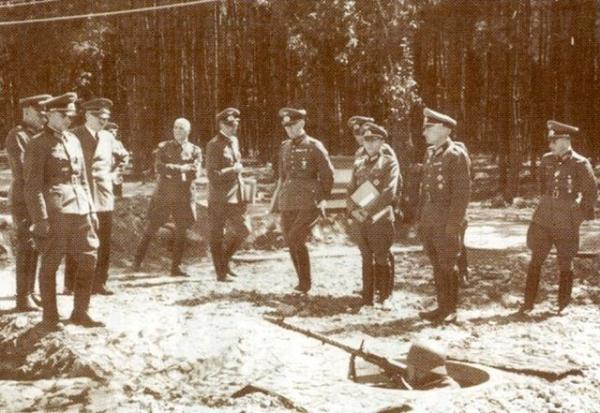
(163, 144)
(579, 157)
(547, 155)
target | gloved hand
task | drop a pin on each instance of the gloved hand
(41, 229)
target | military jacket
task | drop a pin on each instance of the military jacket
(306, 173)
(170, 158)
(16, 143)
(101, 153)
(383, 172)
(55, 176)
(224, 187)
(568, 191)
(446, 186)
(387, 150)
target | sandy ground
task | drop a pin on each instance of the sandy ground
(187, 345)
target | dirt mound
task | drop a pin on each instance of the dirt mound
(28, 352)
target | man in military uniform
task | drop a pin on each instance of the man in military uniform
(305, 182)
(226, 195)
(16, 144)
(355, 123)
(61, 209)
(568, 194)
(445, 192)
(177, 162)
(100, 153)
(373, 222)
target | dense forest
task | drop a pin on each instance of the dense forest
(501, 68)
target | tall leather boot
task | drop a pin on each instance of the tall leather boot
(216, 250)
(178, 248)
(438, 282)
(565, 287)
(453, 283)
(367, 281)
(444, 297)
(231, 246)
(83, 292)
(392, 274)
(382, 282)
(23, 301)
(304, 278)
(531, 287)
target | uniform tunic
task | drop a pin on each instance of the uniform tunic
(306, 173)
(374, 239)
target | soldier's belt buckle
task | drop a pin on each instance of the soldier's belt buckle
(555, 194)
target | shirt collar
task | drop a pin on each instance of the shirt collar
(29, 127)
(55, 132)
(94, 134)
(440, 149)
(229, 138)
(299, 139)
(567, 155)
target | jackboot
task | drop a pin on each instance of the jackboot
(565, 287)
(531, 288)
(367, 282)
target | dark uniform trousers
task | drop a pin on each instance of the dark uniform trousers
(16, 144)
(557, 219)
(296, 226)
(445, 194)
(374, 241)
(228, 228)
(26, 256)
(183, 213)
(101, 271)
(73, 235)
(443, 250)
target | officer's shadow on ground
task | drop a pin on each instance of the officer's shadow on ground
(284, 305)
(514, 317)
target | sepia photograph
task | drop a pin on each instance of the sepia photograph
(315, 206)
